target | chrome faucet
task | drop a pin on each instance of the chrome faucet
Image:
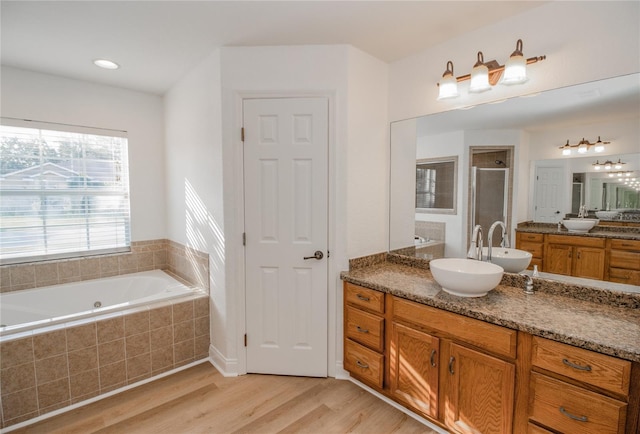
(505, 237)
(528, 286)
(475, 249)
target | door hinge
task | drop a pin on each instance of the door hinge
(244, 238)
(242, 134)
(328, 254)
(245, 339)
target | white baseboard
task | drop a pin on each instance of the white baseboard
(227, 367)
(341, 373)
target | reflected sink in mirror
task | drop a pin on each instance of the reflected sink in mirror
(466, 277)
(512, 260)
(578, 225)
(607, 215)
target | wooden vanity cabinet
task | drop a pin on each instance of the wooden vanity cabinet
(573, 390)
(452, 368)
(624, 261)
(534, 244)
(575, 256)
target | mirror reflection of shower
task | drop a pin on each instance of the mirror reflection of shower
(490, 188)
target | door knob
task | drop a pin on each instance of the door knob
(317, 255)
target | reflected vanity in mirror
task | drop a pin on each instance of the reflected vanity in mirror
(530, 130)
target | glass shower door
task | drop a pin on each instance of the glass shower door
(489, 199)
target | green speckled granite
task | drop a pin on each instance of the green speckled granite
(605, 328)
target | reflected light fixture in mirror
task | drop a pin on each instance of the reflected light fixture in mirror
(487, 74)
(583, 146)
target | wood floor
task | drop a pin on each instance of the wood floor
(201, 400)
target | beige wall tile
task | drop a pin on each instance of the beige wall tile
(17, 378)
(109, 265)
(137, 344)
(110, 329)
(112, 375)
(22, 403)
(23, 275)
(5, 278)
(161, 359)
(53, 393)
(183, 352)
(201, 326)
(81, 337)
(46, 274)
(84, 383)
(68, 270)
(53, 368)
(89, 268)
(54, 407)
(127, 263)
(182, 312)
(80, 398)
(49, 344)
(111, 387)
(183, 331)
(160, 259)
(16, 352)
(136, 323)
(201, 349)
(201, 307)
(161, 317)
(145, 259)
(83, 360)
(161, 338)
(139, 365)
(111, 352)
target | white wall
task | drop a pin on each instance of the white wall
(41, 97)
(195, 208)
(583, 41)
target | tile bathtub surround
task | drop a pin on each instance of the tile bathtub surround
(48, 371)
(189, 264)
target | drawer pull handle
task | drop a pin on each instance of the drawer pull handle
(578, 367)
(362, 365)
(362, 297)
(451, 361)
(432, 359)
(361, 330)
(571, 416)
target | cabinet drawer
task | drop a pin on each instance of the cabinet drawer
(622, 275)
(525, 236)
(364, 297)
(571, 409)
(534, 248)
(597, 369)
(535, 429)
(577, 241)
(365, 328)
(363, 363)
(491, 337)
(625, 259)
(625, 244)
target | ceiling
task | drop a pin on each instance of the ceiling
(157, 42)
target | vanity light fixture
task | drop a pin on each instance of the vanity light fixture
(583, 146)
(487, 74)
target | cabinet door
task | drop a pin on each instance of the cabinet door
(414, 368)
(558, 259)
(589, 263)
(479, 392)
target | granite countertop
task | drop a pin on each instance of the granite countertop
(615, 232)
(607, 328)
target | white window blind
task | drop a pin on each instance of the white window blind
(62, 193)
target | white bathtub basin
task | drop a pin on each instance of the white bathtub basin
(512, 260)
(466, 277)
(579, 225)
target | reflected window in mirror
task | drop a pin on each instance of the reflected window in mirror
(436, 188)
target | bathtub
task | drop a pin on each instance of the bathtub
(57, 304)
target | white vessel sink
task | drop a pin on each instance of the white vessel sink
(512, 260)
(466, 277)
(607, 215)
(579, 225)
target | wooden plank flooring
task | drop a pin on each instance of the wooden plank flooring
(201, 400)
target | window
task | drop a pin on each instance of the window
(62, 193)
(436, 185)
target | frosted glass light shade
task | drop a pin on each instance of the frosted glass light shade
(479, 79)
(515, 70)
(566, 151)
(448, 87)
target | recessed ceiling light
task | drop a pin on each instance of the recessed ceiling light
(106, 64)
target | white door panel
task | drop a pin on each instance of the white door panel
(286, 182)
(549, 194)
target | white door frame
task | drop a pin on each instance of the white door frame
(239, 275)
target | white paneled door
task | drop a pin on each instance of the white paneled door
(286, 226)
(549, 194)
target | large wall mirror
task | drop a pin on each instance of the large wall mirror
(518, 137)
